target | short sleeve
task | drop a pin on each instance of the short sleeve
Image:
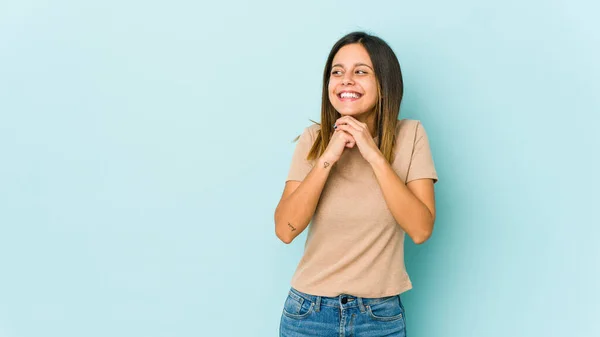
(300, 167)
(421, 164)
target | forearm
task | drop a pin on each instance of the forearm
(410, 213)
(294, 213)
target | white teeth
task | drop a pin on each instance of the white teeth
(349, 95)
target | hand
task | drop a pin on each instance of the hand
(361, 135)
(338, 142)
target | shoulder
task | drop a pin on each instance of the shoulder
(311, 131)
(308, 134)
(407, 129)
(407, 124)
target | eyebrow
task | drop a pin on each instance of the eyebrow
(356, 65)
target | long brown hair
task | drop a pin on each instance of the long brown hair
(390, 89)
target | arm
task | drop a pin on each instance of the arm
(412, 204)
(299, 202)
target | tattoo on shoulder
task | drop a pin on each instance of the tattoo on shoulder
(325, 165)
(292, 227)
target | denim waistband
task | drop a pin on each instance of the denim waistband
(342, 300)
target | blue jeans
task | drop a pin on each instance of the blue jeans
(344, 315)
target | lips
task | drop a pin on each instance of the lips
(349, 95)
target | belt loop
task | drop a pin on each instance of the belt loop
(361, 306)
(318, 304)
(401, 304)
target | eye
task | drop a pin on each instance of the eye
(361, 72)
(335, 72)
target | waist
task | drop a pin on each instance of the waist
(342, 300)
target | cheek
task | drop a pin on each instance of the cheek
(333, 100)
(331, 86)
(372, 90)
(371, 98)
(371, 85)
(330, 91)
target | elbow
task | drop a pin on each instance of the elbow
(421, 237)
(423, 234)
(424, 231)
(284, 238)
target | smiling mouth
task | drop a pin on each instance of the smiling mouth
(349, 96)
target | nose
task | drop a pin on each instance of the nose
(347, 78)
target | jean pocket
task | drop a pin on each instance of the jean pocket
(388, 310)
(297, 307)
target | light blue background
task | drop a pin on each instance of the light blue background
(144, 147)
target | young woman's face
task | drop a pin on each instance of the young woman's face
(352, 84)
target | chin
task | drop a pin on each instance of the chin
(351, 112)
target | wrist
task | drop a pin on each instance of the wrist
(378, 160)
(325, 163)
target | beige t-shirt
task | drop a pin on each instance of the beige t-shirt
(354, 245)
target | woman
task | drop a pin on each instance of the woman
(363, 179)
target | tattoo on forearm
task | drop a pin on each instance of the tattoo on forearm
(292, 227)
(325, 164)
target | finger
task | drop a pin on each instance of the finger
(350, 143)
(347, 128)
(354, 123)
(350, 119)
(348, 138)
(343, 128)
